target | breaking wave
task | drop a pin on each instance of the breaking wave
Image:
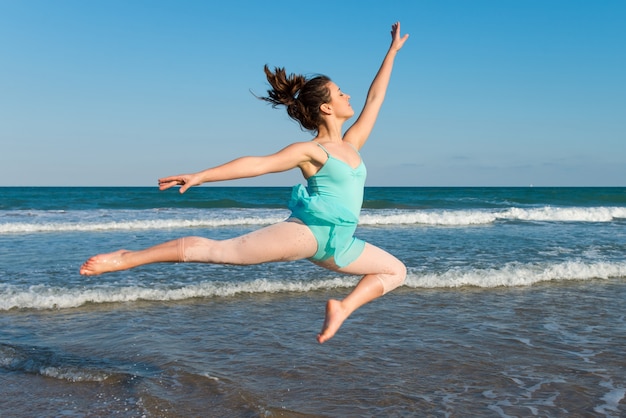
(510, 275)
(38, 222)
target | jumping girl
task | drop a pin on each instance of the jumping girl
(324, 215)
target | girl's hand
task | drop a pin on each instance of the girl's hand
(184, 180)
(396, 41)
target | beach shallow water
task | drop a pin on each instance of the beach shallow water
(513, 307)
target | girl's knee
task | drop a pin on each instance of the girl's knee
(240, 251)
(394, 279)
(196, 249)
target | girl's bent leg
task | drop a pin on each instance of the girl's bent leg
(382, 273)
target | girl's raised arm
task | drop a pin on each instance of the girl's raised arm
(360, 131)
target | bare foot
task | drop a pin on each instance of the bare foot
(335, 315)
(103, 263)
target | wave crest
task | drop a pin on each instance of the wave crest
(515, 274)
(144, 220)
(510, 275)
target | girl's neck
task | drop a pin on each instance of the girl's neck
(330, 133)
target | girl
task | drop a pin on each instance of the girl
(324, 214)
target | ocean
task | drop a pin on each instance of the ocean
(514, 306)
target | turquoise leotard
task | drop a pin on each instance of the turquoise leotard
(330, 207)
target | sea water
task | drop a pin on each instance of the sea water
(513, 306)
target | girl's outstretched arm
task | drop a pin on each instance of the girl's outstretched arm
(360, 131)
(292, 156)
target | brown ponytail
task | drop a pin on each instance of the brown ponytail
(301, 96)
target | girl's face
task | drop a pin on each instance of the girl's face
(340, 102)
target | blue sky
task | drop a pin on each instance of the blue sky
(484, 93)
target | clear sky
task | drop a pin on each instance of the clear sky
(484, 92)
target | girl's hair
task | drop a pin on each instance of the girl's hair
(301, 96)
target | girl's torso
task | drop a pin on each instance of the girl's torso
(337, 180)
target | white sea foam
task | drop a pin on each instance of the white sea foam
(49, 297)
(435, 217)
(147, 220)
(52, 297)
(26, 227)
(483, 216)
(573, 214)
(73, 374)
(515, 274)
(49, 364)
(611, 399)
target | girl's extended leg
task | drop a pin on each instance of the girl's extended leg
(279, 242)
(382, 273)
